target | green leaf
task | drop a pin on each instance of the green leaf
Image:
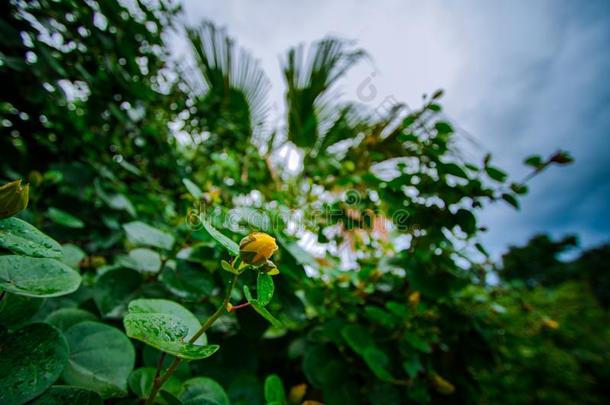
(453, 169)
(171, 399)
(511, 199)
(141, 381)
(140, 233)
(16, 310)
(495, 173)
(72, 255)
(63, 218)
(434, 107)
(61, 395)
(380, 316)
(224, 241)
(20, 237)
(192, 188)
(37, 277)
(378, 362)
(417, 342)
(466, 221)
(261, 309)
(534, 161)
(519, 188)
(113, 291)
(31, 360)
(481, 249)
(264, 288)
(143, 260)
(443, 127)
(166, 326)
(166, 333)
(358, 338)
(226, 266)
(265, 314)
(202, 390)
(187, 281)
(161, 306)
(412, 366)
(274, 389)
(101, 358)
(64, 318)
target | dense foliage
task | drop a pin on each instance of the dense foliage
(144, 174)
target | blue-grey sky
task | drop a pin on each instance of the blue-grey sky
(520, 77)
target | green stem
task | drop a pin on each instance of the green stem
(159, 381)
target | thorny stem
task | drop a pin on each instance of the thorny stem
(160, 380)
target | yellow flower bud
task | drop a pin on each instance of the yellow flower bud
(550, 324)
(297, 393)
(257, 248)
(442, 386)
(414, 298)
(13, 198)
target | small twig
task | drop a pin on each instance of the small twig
(236, 307)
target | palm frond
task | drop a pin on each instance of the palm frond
(234, 89)
(309, 76)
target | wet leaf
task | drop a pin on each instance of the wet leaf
(37, 277)
(264, 288)
(31, 359)
(101, 358)
(20, 237)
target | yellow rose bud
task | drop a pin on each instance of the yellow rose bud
(13, 198)
(256, 248)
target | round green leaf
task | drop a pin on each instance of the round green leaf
(60, 395)
(140, 233)
(167, 326)
(20, 237)
(141, 381)
(143, 260)
(202, 390)
(72, 255)
(16, 310)
(37, 277)
(187, 281)
(113, 291)
(64, 318)
(101, 358)
(31, 359)
(166, 333)
(167, 307)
